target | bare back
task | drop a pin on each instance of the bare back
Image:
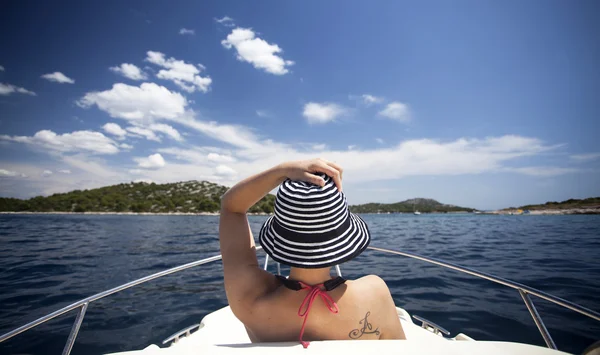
(366, 312)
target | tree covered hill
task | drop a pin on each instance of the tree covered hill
(189, 196)
(408, 206)
(592, 202)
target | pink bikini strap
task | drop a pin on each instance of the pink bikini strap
(313, 292)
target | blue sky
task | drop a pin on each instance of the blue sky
(476, 103)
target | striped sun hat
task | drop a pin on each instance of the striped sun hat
(312, 226)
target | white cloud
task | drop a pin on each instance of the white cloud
(153, 161)
(186, 31)
(199, 155)
(263, 113)
(351, 147)
(432, 157)
(225, 21)
(379, 140)
(419, 157)
(166, 129)
(144, 132)
(322, 112)
(396, 111)
(220, 158)
(149, 132)
(224, 170)
(184, 75)
(7, 89)
(370, 99)
(114, 129)
(4, 172)
(125, 146)
(97, 168)
(10, 173)
(78, 141)
(194, 155)
(58, 77)
(257, 51)
(235, 135)
(64, 171)
(129, 71)
(46, 173)
(1, 68)
(86, 172)
(542, 170)
(319, 146)
(585, 157)
(145, 103)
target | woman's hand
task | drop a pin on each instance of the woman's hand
(305, 170)
(247, 192)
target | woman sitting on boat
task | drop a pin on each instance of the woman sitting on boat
(311, 231)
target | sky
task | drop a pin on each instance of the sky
(474, 103)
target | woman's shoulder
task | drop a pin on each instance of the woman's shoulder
(370, 280)
(372, 304)
(372, 284)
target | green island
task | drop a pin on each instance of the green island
(424, 205)
(141, 197)
(181, 197)
(571, 206)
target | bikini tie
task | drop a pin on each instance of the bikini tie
(306, 305)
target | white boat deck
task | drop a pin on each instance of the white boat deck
(222, 333)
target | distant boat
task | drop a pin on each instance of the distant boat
(415, 211)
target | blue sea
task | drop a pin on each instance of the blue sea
(49, 261)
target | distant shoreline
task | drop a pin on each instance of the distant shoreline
(566, 211)
(546, 212)
(571, 211)
(129, 213)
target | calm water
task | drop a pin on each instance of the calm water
(47, 262)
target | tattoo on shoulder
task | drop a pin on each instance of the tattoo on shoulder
(364, 328)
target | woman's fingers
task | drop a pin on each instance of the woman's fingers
(335, 166)
(323, 167)
(304, 170)
(336, 173)
(313, 179)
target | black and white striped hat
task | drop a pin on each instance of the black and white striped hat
(312, 226)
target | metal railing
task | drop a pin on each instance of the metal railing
(83, 304)
(524, 291)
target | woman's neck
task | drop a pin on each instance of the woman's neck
(310, 276)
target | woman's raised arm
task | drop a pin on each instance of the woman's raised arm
(244, 279)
